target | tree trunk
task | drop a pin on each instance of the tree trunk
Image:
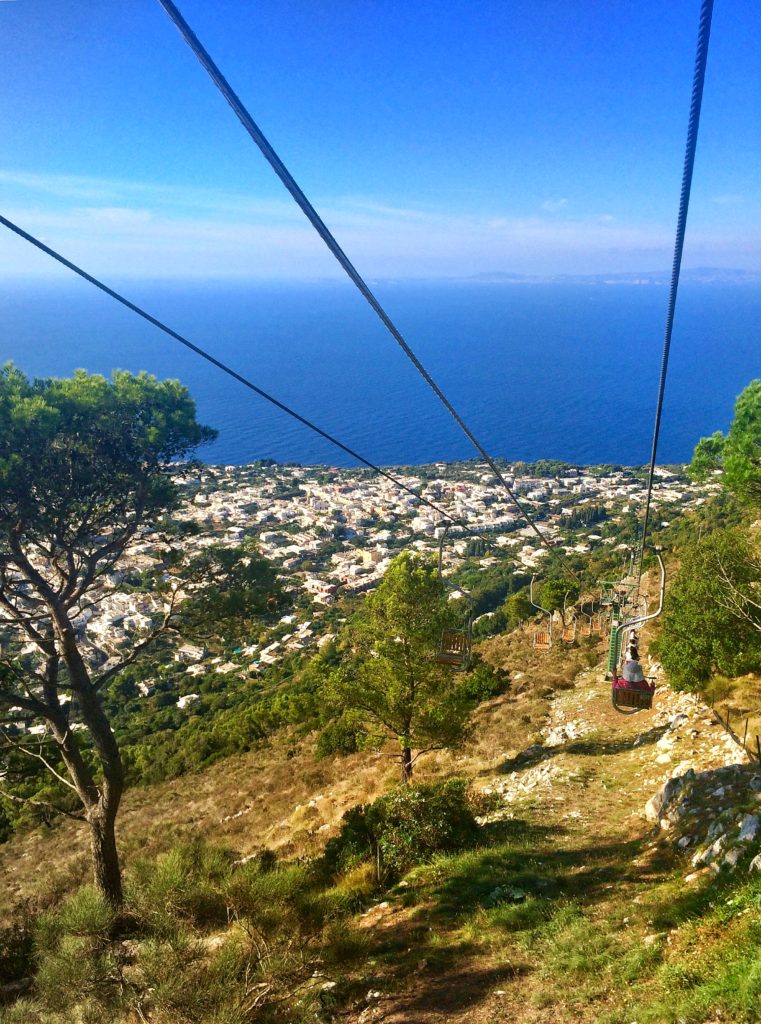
(105, 859)
(406, 765)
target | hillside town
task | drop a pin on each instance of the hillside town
(332, 533)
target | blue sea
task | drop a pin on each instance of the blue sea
(566, 371)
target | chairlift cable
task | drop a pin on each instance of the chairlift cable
(256, 134)
(223, 366)
(704, 33)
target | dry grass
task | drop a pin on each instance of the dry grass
(262, 798)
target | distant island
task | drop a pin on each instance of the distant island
(696, 275)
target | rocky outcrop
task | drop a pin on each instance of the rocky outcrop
(713, 815)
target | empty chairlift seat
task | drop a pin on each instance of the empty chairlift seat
(542, 640)
(454, 648)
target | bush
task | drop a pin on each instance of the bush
(485, 681)
(406, 827)
(75, 959)
(342, 736)
(183, 884)
(16, 949)
(85, 915)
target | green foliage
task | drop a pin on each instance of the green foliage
(738, 453)
(490, 586)
(393, 680)
(6, 826)
(65, 442)
(406, 827)
(484, 681)
(16, 952)
(234, 587)
(586, 515)
(183, 884)
(75, 960)
(344, 735)
(518, 608)
(556, 590)
(711, 619)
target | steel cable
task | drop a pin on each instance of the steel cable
(256, 134)
(701, 58)
(226, 369)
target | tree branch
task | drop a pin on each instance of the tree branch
(14, 745)
(16, 799)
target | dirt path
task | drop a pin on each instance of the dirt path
(575, 804)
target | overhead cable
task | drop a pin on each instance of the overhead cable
(325, 234)
(225, 369)
(701, 58)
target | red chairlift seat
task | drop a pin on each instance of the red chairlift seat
(569, 633)
(628, 698)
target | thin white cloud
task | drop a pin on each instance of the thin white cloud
(118, 193)
(728, 200)
(143, 229)
(554, 205)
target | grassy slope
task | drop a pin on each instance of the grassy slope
(570, 911)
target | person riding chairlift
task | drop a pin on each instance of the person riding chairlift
(632, 677)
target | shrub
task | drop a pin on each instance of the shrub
(183, 884)
(406, 827)
(341, 736)
(16, 949)
(281, 901)
(485, 681)
(76, 963)
(84, 915)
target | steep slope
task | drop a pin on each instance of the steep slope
(577, 900)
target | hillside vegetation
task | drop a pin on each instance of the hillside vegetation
(542, 859)
(558, 901)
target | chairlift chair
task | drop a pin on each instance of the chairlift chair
(631, 696)
(628, 699)
(456, 644)
(454, 648)
(541, 639)
(584, 619)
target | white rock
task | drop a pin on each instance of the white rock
(732, 857)
(652, 807)
(750, 826)
(755, 864)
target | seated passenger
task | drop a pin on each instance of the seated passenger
(632, 677)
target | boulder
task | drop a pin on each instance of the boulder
(750, 827)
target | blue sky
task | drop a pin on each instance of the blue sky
(442, 138)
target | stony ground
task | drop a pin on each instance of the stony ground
(580, 837)
(578, 803)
